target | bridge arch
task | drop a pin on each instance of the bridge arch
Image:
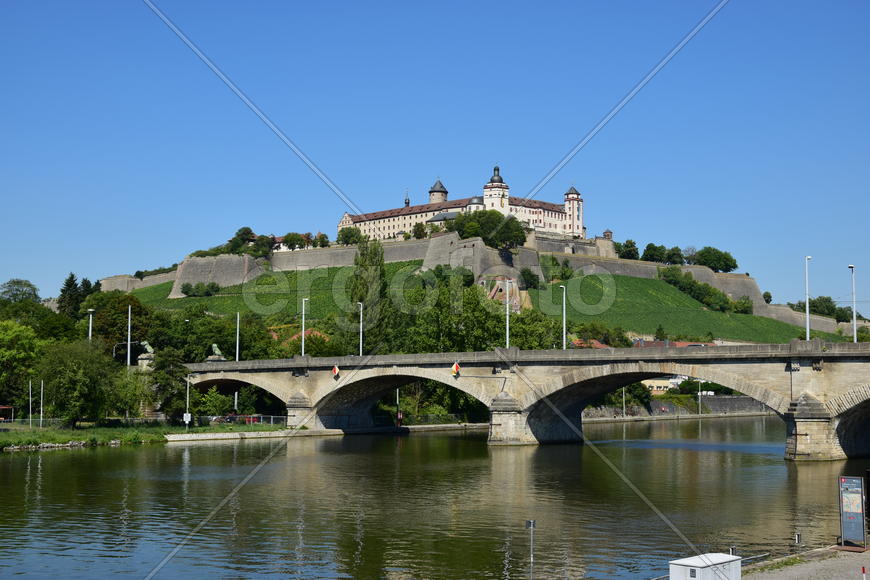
(276, 388)
(349, 404)
(567, 394)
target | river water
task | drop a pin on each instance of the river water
(421, 506)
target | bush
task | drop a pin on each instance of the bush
(711, 297)
(529, 279)
(200, 289)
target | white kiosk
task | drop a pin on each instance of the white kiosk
(706, 567)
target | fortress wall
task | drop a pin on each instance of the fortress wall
(313, 258)
(225, 270)
(597, 247)
(125, 282)
(785, 314)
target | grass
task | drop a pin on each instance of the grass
(276, 291)
(104, 435)
(778, 565)
(642, 304)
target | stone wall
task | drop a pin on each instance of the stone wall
(225, 270)
(125, 282)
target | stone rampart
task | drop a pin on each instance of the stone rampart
(126, 283)
(225, 270)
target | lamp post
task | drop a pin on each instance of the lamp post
(129, 326)
(360, 327)
(507, 313)
(564, 333)
(238, 323)
(854, 312)
(90, 323)
(807, 288)
(187, 406)
(304, 301)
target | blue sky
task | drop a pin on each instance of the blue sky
(122, 151)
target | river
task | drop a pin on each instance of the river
(423, 506)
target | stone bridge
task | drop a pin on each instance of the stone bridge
(821, 390)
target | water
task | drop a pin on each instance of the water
(424, 506)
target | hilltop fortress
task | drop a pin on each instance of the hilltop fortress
(554, 229)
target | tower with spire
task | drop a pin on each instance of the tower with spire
(437, 193)
(574, 212)
(496, 193)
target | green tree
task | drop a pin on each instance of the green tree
(293, 240)
(768, 297)
(674, 256)
(242, 238)
(715, 259)
(534, 330)
(321, 240)
(743, 305)
(129, 391)
(20, 348)
(18, 290)
(654, 253)
(349, 236)
(169, 381)
(419, 231)
(529, 279)
(77, 379)
(660, 333)
(497, 230)
(368, 285)
(629, 251)
(44, 321)
(214, 403)
(70, 298)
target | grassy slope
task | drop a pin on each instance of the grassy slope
(641, 304)
(276, 291)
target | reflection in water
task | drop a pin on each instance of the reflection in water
(434, 506)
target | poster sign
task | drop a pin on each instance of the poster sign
(852, 528)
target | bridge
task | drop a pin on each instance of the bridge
(820, 389)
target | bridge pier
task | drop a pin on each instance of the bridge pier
(510, 425)
(811, 432)
(300, 413)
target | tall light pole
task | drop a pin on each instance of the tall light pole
(129, 326)
(564, 333)
(361, 328)
(507, 313)
(807, 286)
(90, 323)
(304, 301)
(854, 312)
(238, 323)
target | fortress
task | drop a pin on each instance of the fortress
(539, 216)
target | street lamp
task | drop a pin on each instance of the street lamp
(360, 327)
(304, 301)
(90, 323)
(129, 326)
(238, 324)
(854, 312)
(807, 285)
(507, 313)
(564, 334)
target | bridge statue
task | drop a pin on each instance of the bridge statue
(821, 390)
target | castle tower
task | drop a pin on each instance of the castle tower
(574, 212)
(407, 199)
(438, 193)
(496, 193)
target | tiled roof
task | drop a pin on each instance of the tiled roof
(536, 204)
(410, 210)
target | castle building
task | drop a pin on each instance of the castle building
(541, 216)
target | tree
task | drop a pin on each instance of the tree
(243, 237)
(17, 290)
(660, 333)
(44, 321)
(307, 239)
(654, 253)
(497, 230)
(743, 305)
(529, 279)
(419, 231)
(674, 256)
(629, 251)
(129, 391)
(715, 259)
(368, 285)
(213, 403)
(689, 254)
(349, 236)
(321, 240)
(77, 379)
(168, 379)
(293, 240)
(534, 330)
(768, 297)
(70, 298)
(20, 348)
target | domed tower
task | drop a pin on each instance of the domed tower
(496, 192)
(574, 212)
(438, 193)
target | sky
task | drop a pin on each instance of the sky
(122, 151)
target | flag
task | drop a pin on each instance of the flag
(335, 371)
(455, 369)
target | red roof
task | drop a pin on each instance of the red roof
(451, 204)
(592, 343)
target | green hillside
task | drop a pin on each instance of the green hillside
(635, 304)
(276, 291)
(640, 305)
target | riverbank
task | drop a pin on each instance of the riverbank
(675, 417)
(182, 437)
(819, 564)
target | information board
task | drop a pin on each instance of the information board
(852, 527)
